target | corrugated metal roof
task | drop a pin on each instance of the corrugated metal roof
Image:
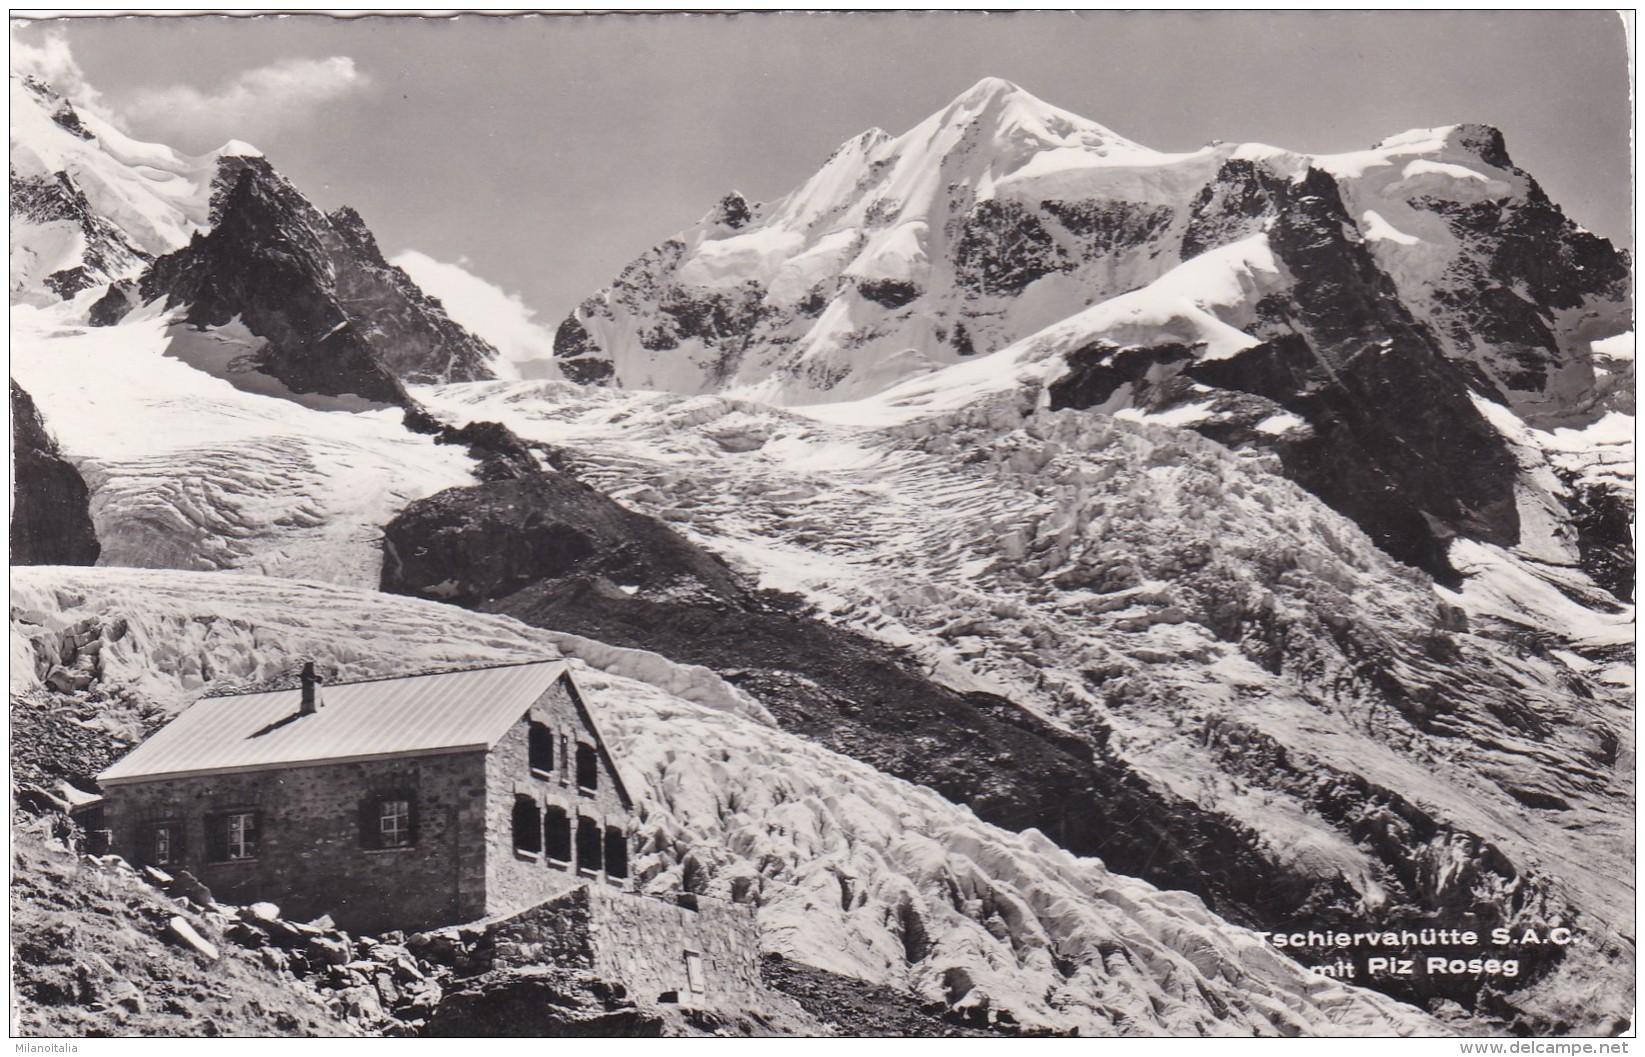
(413, 715)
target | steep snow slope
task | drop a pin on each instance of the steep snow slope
(852, 870)
(90, 204)
(1206, 621)
(190, 470)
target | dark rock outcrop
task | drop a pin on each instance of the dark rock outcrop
(1003, 247)
(888, 293)
(540, 1002)
(107, 251)
(1394, 440)
(339, 320)
(1106, 228)
(578, 357)
(51, 506)
(1604, 522)
(1523, 263)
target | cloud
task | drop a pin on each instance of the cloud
(255, 103)
(45, 54)
(527, 347)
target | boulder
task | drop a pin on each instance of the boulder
(261, 913)
(179, 931)
(324, 950)
(67, 681)
(185, 885)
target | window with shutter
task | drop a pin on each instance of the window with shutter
(371, 834)
(217, 837)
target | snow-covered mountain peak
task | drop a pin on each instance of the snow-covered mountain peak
(1012, 112)
(1485, 142)
(235, 148)
(732, 213)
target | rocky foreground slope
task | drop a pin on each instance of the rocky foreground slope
(852, 870)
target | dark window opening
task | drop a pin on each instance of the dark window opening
(388, 821)
(616, 852)
(234, 836)
(528, 825)
(541, 748)
(588, 844)
(588, 767)
(557, 831)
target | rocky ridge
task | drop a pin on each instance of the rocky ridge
(338, 318)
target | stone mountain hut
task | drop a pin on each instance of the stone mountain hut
(400, 803)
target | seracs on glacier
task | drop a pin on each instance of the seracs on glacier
(852, 870)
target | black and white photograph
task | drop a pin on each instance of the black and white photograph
(803, 524)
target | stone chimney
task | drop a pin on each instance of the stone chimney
(311, 689)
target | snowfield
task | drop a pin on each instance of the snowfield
(189, 471)
(852, 870)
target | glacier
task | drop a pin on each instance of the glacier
(851, 870)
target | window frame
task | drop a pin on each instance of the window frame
(173, 830)
(403, 836)
(372, 813)
(238, 834)
(220, 835)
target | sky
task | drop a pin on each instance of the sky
(543, 153)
